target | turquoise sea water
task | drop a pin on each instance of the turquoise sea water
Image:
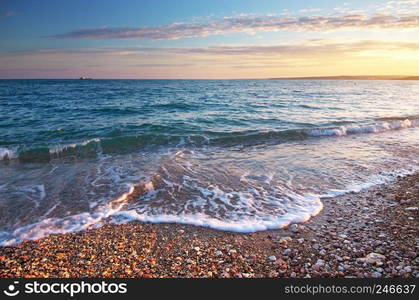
(240, 155)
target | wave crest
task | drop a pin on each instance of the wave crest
(370, 128)
(127, 144)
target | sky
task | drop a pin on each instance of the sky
(207, 39)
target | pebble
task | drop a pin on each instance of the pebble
(272, 258)
(294, 228)
(373, 258)
(286, 252)
(376, 275)
(408, 269)
(316, 246)
(320, 262)
(285, 240)
(411, 254)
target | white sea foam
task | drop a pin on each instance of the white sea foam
(382, 178)
(305, 206)
(244, 225)
(68, 224)
(371, 128)
(33, 192)
(302, 208)
(59, 149)
(7, 154)
(310, 205)
(239, 200)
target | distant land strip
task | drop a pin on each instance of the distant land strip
(344, 77)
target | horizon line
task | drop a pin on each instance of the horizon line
(331, 77)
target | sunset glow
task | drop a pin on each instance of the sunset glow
(239, 40)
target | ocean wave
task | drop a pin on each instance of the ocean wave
(68, 148)
(7, 154)
(127, 144)
(397, 118)
(106, 111)
(369, 128)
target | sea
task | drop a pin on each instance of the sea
(234, 155)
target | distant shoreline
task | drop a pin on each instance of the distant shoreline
(366, 77)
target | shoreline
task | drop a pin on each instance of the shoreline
(370, 234)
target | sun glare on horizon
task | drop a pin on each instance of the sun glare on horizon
(235, 41)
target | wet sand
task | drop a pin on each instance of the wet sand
(373, 233)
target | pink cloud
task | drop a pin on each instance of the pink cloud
(247, 24)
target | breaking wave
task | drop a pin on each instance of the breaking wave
(127, 144)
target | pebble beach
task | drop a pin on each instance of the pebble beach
(370, 234)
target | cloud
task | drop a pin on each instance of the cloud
(162, 65)
(402, 7)
(310, 47)
(309, 10)
(304, 57)
(248, 24)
